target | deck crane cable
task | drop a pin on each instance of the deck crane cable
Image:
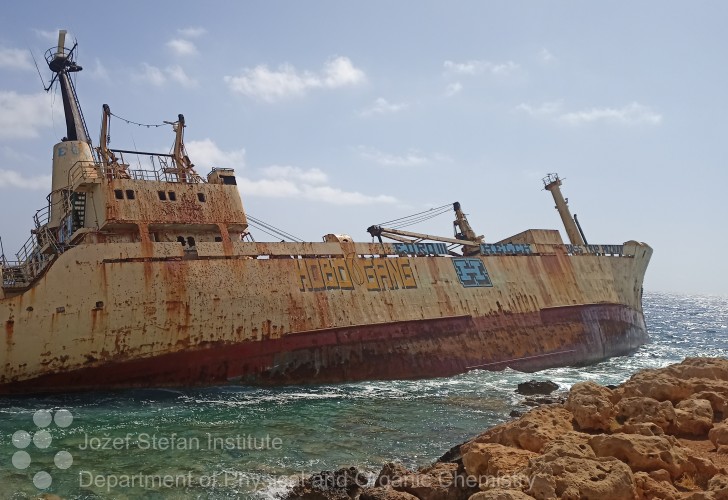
(413, 215)
(413, 219)
(274, 234)
(263, 230)
(266, 227)
(420, 219)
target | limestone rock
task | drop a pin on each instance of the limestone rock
(440, 481)
(641, 409)
(694, 417)
(657, 385)
(591, 405)
(382, 493)
(572, 444)
(330, 485)
(660, 475)
(704, 385)
(677, 382)
(390, 472)
(501, 495)
(708, 368)
(718, 485)
(645, 453)
(718, 435)
(580, 478)
(644, 429)
(536, 387)
(531, 432)
(704, 469)
(718, 401)
(648, 488)
(495, 460)
(423, 486)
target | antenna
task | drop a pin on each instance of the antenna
(42, 81)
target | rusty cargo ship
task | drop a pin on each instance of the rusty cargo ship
(136, 278)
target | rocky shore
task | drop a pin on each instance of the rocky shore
(662, 434)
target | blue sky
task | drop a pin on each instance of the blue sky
(338, 115)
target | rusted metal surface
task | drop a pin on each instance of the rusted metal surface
(132, 314)
(412, 349)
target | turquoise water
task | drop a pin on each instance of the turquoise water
(238, 442)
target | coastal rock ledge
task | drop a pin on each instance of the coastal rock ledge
(662, 434)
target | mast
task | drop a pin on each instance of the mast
(75, 148)
(62, 64)
(553, 183)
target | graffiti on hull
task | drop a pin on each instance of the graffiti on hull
(376, 275)
(472, 272)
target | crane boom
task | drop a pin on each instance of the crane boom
(465, 237)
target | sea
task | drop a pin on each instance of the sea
(254, 443)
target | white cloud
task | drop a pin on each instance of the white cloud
(308, 184)
(310, 176)
(453, 89)
(182, 47)
(340, 71)
(273, 85)
(100, 72)
(192, 32)
(546, 57)
(151, 74)
(277, 181)
(51, 35)
(21, 115)
(412, 158)
(630, 114)
(12, 179)
(159, 77)
(15, 59)
(177, 74)
(480, 67)
(381, 106)
(206, 154)
(550, 108)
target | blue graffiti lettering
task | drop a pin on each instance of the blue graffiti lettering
(472, 272)
(594, 249)
(420, 248)
(505, 249)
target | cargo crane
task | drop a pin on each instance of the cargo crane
(464, 234)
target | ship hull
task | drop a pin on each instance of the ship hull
(426, 348)
(150, 317)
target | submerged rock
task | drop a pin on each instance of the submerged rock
(533, 387)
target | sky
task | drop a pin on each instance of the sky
(339, 115)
